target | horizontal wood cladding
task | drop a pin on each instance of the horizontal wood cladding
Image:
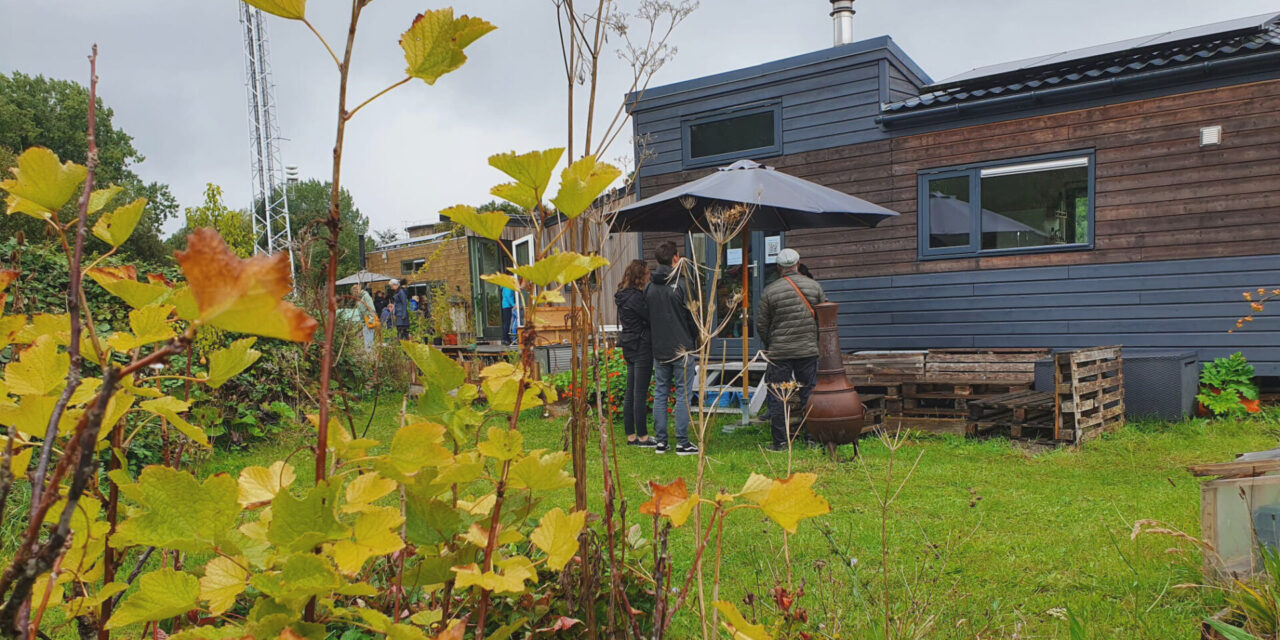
(1159, 195)
(1167, 304)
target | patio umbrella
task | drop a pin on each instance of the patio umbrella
(780, 202)
(362, 277)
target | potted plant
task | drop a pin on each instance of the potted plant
(1227, 387)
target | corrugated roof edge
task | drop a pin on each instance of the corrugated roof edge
(637, 98)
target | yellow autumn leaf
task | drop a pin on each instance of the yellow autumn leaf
(563, 267)
(100, 198)
(122, 282)
(541, 472)
(224, 579)
(291, 9)
(488, 225)
(169, 407)
(531, 172)
(228, 362)
(116, 227)
(39, 369)
(41, 184)
(503, 444)
(557, 536)
(581, 183)
(434, 42)
(261, 484)
(792, 500)
(150, 324)
(510, 577)
(737, 625)
(373, 534)
(504, 280)
(365, 489)
(756, 488)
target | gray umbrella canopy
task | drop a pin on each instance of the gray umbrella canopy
(782, 203)
(362, 277)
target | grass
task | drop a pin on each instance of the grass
(987, 539)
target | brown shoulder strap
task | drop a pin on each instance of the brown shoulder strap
(801, 294)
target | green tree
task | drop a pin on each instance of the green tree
(232, 224)
(44, 112)
(308, 210)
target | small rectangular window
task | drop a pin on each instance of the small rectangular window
(1036, 205)
(716, 139)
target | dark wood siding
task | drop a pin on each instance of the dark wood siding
(1160, 196)
(1166, 304)
(828, 98)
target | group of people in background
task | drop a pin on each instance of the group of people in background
(386, 309)
(660, 337)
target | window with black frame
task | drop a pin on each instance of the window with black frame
(735, 135)
(1030, 205)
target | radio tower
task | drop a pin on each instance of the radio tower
(270, 208)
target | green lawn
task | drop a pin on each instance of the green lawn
(987, 539)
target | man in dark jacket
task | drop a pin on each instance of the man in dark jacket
(788, 326)
(674, 336)
(401, 301)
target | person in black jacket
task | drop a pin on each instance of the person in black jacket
(633, 315)
(675, 338)
(401, 301)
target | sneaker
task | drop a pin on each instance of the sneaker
(633, 443)
(645, 443)
(687, 449)
(660, 448)
(776, 448)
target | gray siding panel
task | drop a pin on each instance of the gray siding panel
(832, 103)
(1183, 304)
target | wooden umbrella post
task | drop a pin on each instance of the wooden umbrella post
(746, 313)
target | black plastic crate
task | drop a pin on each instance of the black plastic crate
(1157, 383)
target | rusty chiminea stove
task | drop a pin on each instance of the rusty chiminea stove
(836, 414)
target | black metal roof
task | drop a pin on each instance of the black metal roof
(1183, 47)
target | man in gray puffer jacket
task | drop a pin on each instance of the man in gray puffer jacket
(787, 325)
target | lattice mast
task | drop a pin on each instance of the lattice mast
(270, 206)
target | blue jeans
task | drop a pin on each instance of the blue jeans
(368, 338)
(679, 372)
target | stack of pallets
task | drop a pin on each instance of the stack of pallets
(1089, 388)
(953, 378)
(1088, 399)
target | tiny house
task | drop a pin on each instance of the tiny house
(1125, 193)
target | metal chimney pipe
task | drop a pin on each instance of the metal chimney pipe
(842, 21)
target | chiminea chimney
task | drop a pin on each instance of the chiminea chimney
(842, 21)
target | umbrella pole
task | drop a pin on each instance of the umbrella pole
(746, 312)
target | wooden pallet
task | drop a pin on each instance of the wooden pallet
(1025, 412)
(1012, 367)
(1089, 392)
(884, 367)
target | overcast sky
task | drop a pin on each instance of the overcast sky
(173, 71)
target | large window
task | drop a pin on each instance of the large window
(723, 137)
(1036, 204)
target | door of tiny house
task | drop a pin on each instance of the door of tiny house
(763, 252)
(486, 257)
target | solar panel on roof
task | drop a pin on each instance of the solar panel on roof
(1224, 27)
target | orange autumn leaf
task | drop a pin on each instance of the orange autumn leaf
(242, 294)
(670, 500)
(7, 276)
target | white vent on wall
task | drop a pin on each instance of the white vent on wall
(1211, 135)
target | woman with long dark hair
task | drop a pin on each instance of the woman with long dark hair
(633, 315)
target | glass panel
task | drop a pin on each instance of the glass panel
(728, 135)
(730, 285)
(490, 262)
(950, 212)
(1036, 209)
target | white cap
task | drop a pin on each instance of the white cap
(394, 282)
(788, 258)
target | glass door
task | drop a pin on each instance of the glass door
(760, 272)
(486, 258)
